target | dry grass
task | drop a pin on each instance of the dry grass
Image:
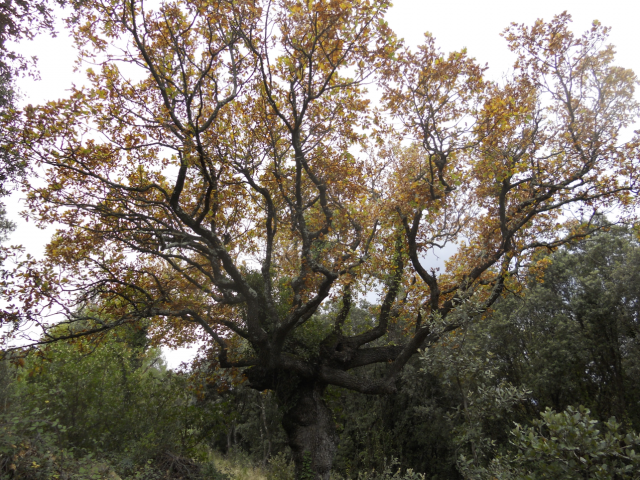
(238, 466)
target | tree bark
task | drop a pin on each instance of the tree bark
(310, 428)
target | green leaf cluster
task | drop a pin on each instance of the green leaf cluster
(570, 445)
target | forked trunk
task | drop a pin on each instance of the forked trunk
(309, 425)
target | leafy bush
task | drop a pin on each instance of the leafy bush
(29, 450)
(89, 408)
(280, 468)
(570, 445)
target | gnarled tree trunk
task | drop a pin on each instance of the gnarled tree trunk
(309, 425)
(306, 419)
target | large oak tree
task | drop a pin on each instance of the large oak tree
(238, 171)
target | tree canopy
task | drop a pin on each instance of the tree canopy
(234, 168)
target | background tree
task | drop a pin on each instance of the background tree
(569, 339)
(240, 179)
(579, 329)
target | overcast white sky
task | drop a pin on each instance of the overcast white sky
(474, 24)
